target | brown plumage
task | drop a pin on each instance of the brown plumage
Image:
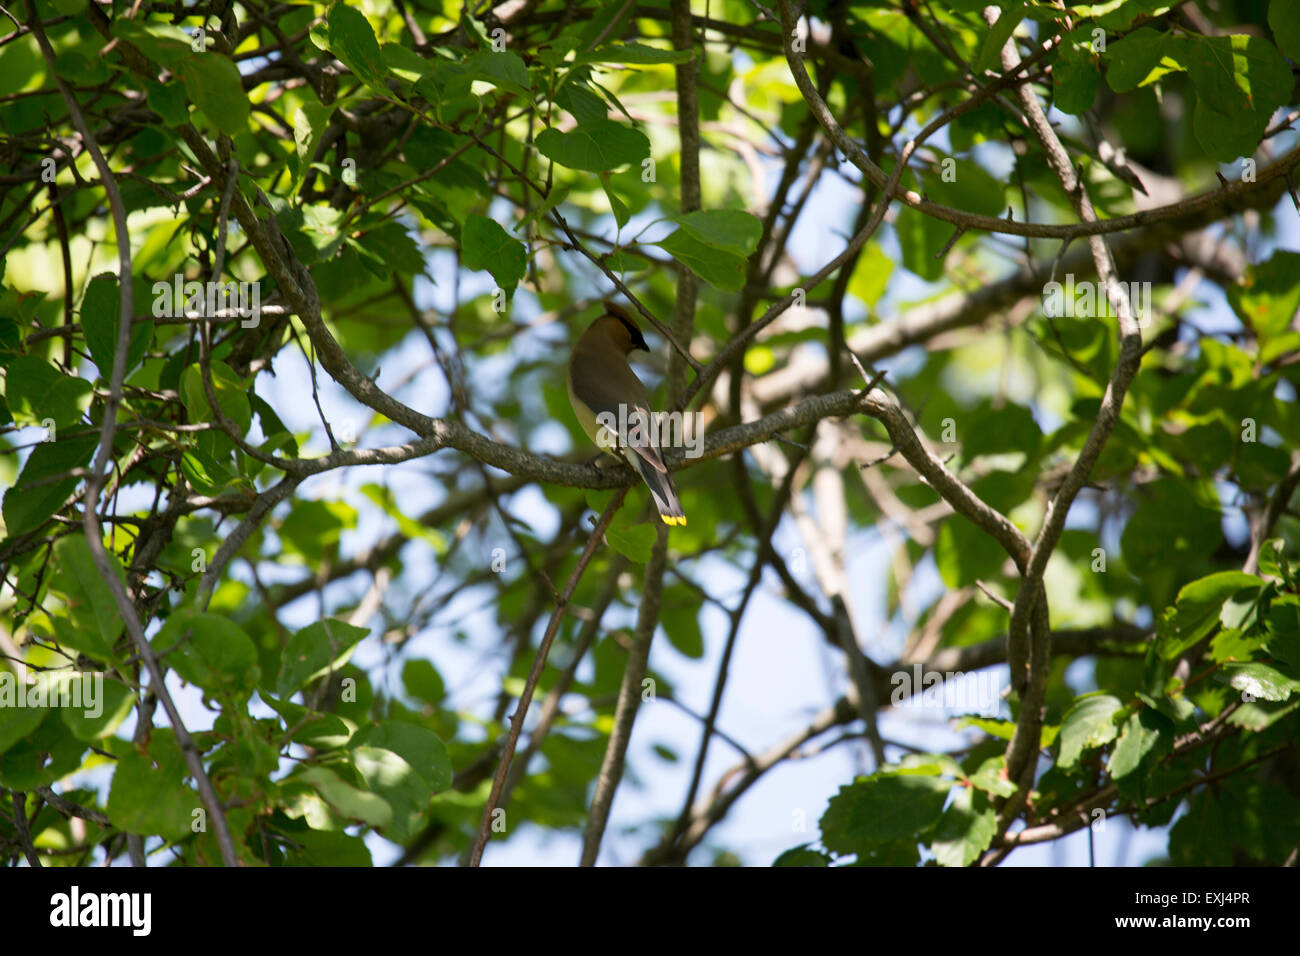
(601, 381)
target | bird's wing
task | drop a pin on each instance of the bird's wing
(606, 383)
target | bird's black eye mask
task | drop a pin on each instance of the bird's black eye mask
(638, 340)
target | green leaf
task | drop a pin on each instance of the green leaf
(392, 777)
(349, 801)
(388, 248)
(353, 41)
(34, 498)
(17, 720)
(1213, 589)
(423, 681)
(110, 709)
(967, 185)
(634, 541)
(930, 765)
(681, 623)
(720, 268)
(965, 830)
(48, 753)
(605, 22)
(166, 99)
(310, 727)
(1145, 736)
(501, 68)
(230, 391)
(1268, 296)
(88, 596)
(1174, 523)
(729, 229)
(1284, 20)
(320, 848)
(279, 437)
(991, 777)
(1138, 59)
(921, 240)
(616, 205)
(485, 245)
(1177, 709)
(1259, 681)
(149, 795)
(1272, 562)
(206, 474)
(636, 53)
(964, 553)
(11, 342)
(871, 274)
(1203, 836)
(313, 527)
(1226, 136)
(994, 431)
(1236, 73)
(1259, 717)
(1197, 610)
(321, 231)
(1001, 729)
(597, 147)
(309, 123)
(100, 312)
(1240, 80)
(218, 655)
(163, 43)
(882, 808)
(1119, 15)
(586, 106)
(317, 649)
(1089, 723)
(666, 754)
(405, 64)
(1074, 81)
(214, 86)
(35, 390)
(802, 856)
(420, 748)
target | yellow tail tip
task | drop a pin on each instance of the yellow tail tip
(673, 520)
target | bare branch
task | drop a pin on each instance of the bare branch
(90, 517)
(539, 663)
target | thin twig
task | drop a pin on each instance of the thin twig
(539, 664)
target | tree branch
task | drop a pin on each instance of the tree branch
(95, 482)
(539, 664)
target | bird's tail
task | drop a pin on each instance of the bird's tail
(662, 490)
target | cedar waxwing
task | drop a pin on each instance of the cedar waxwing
(613, 406)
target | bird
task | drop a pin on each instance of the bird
(613, 407)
